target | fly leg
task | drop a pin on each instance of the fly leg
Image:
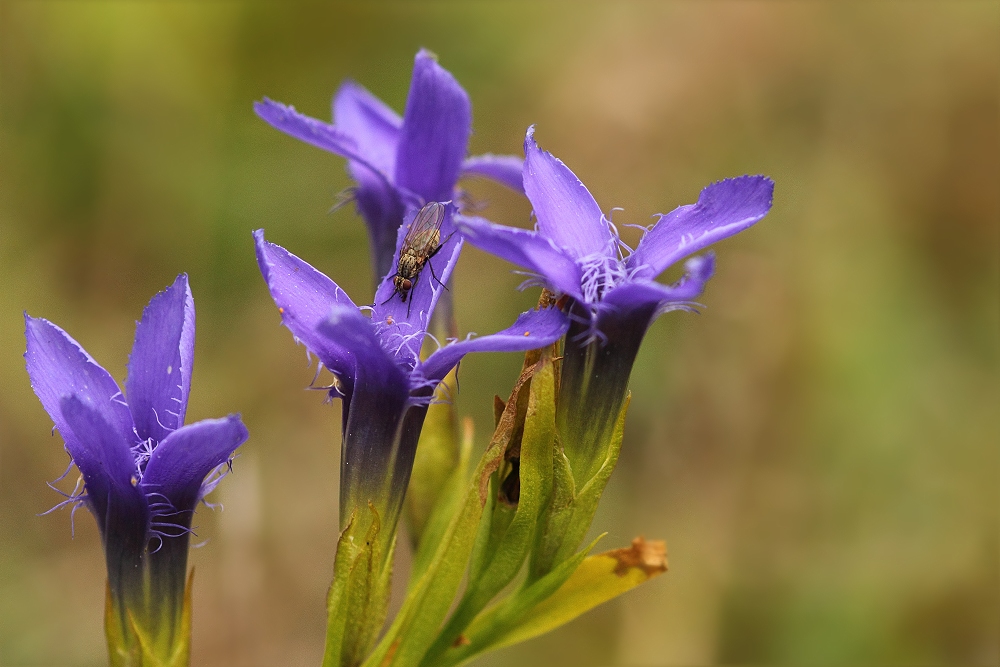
(434, 275)
(395, 291)
(431, 254)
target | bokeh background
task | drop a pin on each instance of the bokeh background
(819, 447)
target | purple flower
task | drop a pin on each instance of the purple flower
(398, 163)
(143, 470)
(575, 250)
(384, 384)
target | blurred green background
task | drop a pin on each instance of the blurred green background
(819, 447)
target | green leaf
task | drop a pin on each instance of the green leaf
(336, 601)
(569, 519)
(447, 505)
(485, 533)
(432, 593)
(490, 628)
(514, 526)
(598, 579)
(556, 517)
(359, 596)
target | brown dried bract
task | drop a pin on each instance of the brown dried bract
(510, 423)
(650, 557)
(499, 405)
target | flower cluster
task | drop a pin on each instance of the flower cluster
(607, 298)
(497, 550)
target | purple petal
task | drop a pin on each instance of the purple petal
(179, 464)
(315, 132)
(367, 134)
(111, 480)
(381, 426)
(566, 211)
(104, 458)
(59, 367)
(383, 211)
(504, 169)
(640, 293)
(354, 333)
(436, 128)
(375, 129)
(159, 368)
(723, 209)
(531, 250)
(372, 125)
(401, 324)
(533, 329)
(304, 297)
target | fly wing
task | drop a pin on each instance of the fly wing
(425, 230)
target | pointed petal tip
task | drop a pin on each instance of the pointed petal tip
(181, 282)
(756, 190)
(701, 267)
(757, 181)
(348, 85)
(425, 54)
(39, 326)
(275, 113)
(33, 328)
(265, 106)
(262, 248)
(530, 144)
(235, 419)
(161, 361)
(566, 211)
(278, 114)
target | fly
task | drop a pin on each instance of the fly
(422, 241)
